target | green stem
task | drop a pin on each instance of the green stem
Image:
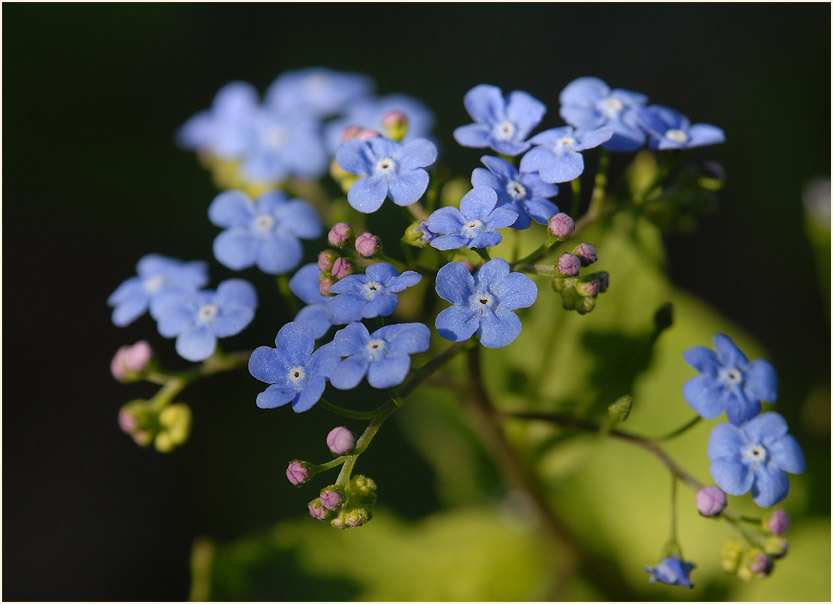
(167, 393)
(349, 413)
(399, 265)
(330, 464)
(483, 253)
(690, 424)
(600, 185)
(673, 507)
(576, 203)
(409, 257)
(286, 293)
(547, 270)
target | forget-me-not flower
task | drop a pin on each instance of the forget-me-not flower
(525, 193)
(316, 91)
(556, 156)
(304, 284)
(297, 374)
(265, 232)
(387, 169)
(370, 295)
(475, 224)
(384, 355)
(670, 129)
(728, 382)
(198, 319)
(672, 571)
(158, 279)
(483, 303)
(502, 124)
(755, 456)
(589, 103)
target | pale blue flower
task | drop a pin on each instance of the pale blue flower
(672, 571)
(370, 295)
(316, 91)
(670, 129)
(525, 193)
(556, 156)
(475, 224)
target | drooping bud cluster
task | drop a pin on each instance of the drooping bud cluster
(167, 428)
(332, 266)
(758, 562)
(577, 292)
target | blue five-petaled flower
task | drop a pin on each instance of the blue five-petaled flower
(755, 456)
(728, 381)
(670, 129)
(199, 318)
(474, 224)
(383, 355)
(672, 571)
(265, 232)
(370, 295)
(556, 156)
(387, 169)
(525, 193)
(502, 124)
(483, 303)
(297, 374)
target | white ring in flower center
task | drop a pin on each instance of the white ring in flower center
(504, 131)
(676, 136)
(154, 284)
(756, 453)
(371, 288)
(264, 223)
(733, 375)
(375, 348)
(274, 136)
(296, 375)
(567, 141)
(471, 226)
(483, 300)
(613, 105)
(515, 189)
(385, 166)
(206, 314)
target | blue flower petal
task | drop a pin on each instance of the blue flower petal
(295, 341)
(352, 156)
(231, 209)
(704, 395)
(380, 306)
(473, 135)
(236, 292)
(476, 204)
(449, 242)
(350, 284)
(407, 187)
(446, 220)
(771, 485)
(267, 365)
(525, 111)
(540, 210)
(787, 454)
(581, 116)
(499, 167)
(349, 372)
(705, 134)
(175, 317)
(418, 153)
(457, 323)
(196, 344)
(739, 408)
(405, 280)
(235, 248)
(481, 177)
(509, 148)
(346, 308)
(232, 322)
(725, 441)
(302, 220)
(731, 475)
(583, 90)
(766, 428)
(593, 138)
(483, 239)
(515, 290)
(304, 284)
(323, 361)
(381, 272)
(455, 284)
(278, 254)
(276, 396)
(729, 354)
(564, 168)
(310, 394)
(484, 103)
(351, 340)
(367, 194)
(492, 271)
(408, 338)
(389, 370)
(703, 360)
(761, 381)
(499, 328)
(129, 310)
(501, 217)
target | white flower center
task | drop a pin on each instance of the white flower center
(676, 136)
(264, 223)
(296, 375)
(612, 105)
(386, 166)
(504, 131)
(755, 454)
(482, 301)
(315, 84)
(567, 141)
(375, 348)
(733, 375)
(371, 288)
(515, 190)
(471, 226)
(206, 314)
(274, 136)
(154, 284)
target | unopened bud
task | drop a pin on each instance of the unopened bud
(326, 260)
(776, 547)
(297, 472)
(175, 424)
(710, 501)
(317, 509)
(395, 124)
(332, 497)
(130, 361)
(350, 132)
(340, 235)
(367, 245)
(619, 410)
(344, 179)
(366, 134)
(561, 226)
(340, 440)
(325, 282)
(731, 555)
(586, 253)
(589, 287)
(341, 268)
(127, 422)
(776, 522)
(418, 234)
(567, 265)
(363, 489)
(350, 518)
(759, 563)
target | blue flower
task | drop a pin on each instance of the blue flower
(524, 193)
(556, 157)
(199, 318)
(382, 355)
(499, 123)
(297, 374)
(159, 278)
(223, 130)
(368, 113)
(728, 382)
(264, 232)
(670, 129)
(304, 284)
(588, 103)
(370, 295)
(474, 224)
(672, 571)
(483, 303)
(755, 456)
(388, 169)
(317, 91)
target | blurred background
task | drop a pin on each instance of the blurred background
(92, 181)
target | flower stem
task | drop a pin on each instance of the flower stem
(286, 293)
(600, 185)
(690, 424)
(576, 203)
(349, 413)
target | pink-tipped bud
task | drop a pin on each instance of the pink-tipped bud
(367, 245)
(340, 235)
(130, 359)
(710, 501)
(586, 253)
(331, 498)
(326, 260)
(760, 563)
(777, 522)
(341, 268)
(127, 422)
(317, 510)
(297, 472)
(561, 226)
(350, 132)
(340, 440)
(395, 124)
(366, 134)
(567, 265)
(325, 282)
(776, 547)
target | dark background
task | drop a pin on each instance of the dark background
(92, 181)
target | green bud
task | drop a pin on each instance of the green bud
(363, 490)
(350, 518)
(619, 410)
(776, 547)
(395, 124)
(731, 555)
(758, 563)
(344, 179)
(414, 235)
(589, 286)
(174, 427)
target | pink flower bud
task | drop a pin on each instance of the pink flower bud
(127, 422)
(395, 124)
(317, 510)
(586, 253)
(130, 359)
(331, 498)
(568, 265)
(366, 134)
(367, 245)
(710, 501)
(340, 235)
(297, 472)
(326, 260)
(350, 132)
(561, 226)
(761, 564)
(325, 282)
(777, 522)
(341, 268)
(340, 440)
